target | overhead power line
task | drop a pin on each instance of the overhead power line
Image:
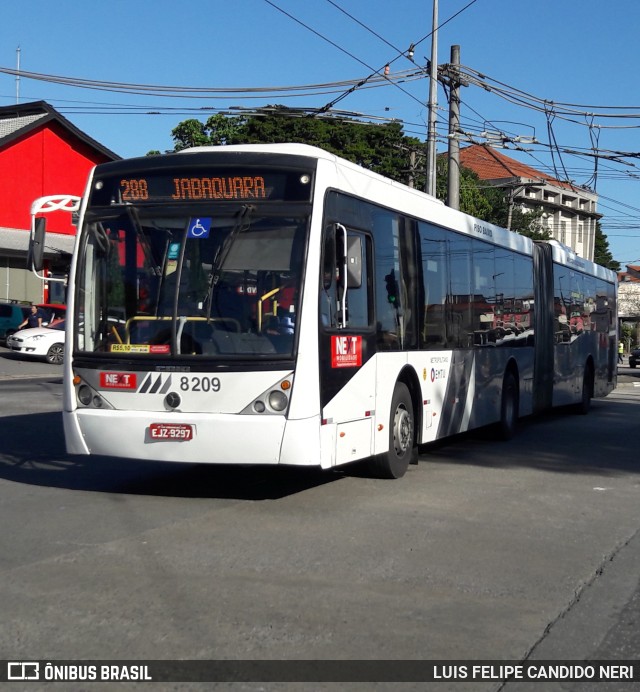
(615, 117)
(163, 91)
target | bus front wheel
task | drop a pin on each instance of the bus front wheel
(403, 449)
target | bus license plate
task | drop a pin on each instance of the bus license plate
(171, 432)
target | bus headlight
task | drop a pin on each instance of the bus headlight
(274, 400)
(88, 397)
(278, 400)
(84, 395)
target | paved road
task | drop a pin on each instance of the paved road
(15, 366)
(523, 550)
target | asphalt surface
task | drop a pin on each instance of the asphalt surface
(15, 366)
(533, 554)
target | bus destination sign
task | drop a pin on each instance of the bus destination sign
(235, 187)
(181, 185)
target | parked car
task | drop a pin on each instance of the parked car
(634, 357)
(43, 342)
(12, 315)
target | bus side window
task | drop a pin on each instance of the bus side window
(344, 298)
(391, 285)
(435, 278)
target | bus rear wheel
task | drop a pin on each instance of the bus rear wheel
(509, 407)
(584, 405)
(403, 449)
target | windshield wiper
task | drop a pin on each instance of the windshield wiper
(101, 237)
(142, 239)
(243, 223)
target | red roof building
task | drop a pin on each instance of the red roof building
(41, 153)
(569, 211)
(632, 275)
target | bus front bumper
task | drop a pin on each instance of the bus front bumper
(210, 438)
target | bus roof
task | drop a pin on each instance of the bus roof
(293, 148)
(563, 254)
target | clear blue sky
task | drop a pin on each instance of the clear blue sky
(560, 51)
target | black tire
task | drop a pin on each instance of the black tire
(55, 354)
(403, 449)
(584, 405)
(509, 407)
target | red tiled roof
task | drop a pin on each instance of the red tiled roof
(490, 164)
(632, 275)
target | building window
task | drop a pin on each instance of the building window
(563, 232)
(580, 233)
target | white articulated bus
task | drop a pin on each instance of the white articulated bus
(275, 304)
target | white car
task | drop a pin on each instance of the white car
(46, 342)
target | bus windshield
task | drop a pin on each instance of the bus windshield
(153, 283)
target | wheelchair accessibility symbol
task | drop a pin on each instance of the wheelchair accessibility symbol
(199, 227)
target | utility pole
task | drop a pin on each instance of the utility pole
(430, 187)
(412, 167)
(18, 75)
(511, 203)
(453, 177)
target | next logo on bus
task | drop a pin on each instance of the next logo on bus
(118, 380)
(346, 351)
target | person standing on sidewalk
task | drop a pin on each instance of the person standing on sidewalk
(621, 352)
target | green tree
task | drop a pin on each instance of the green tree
(473, 198)
(602, 254)
(190, 133)
(381, 148)
(218, 129)
(376, 147)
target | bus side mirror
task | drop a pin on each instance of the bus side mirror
(35, 256)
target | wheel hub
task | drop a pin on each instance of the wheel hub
(402, 431)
